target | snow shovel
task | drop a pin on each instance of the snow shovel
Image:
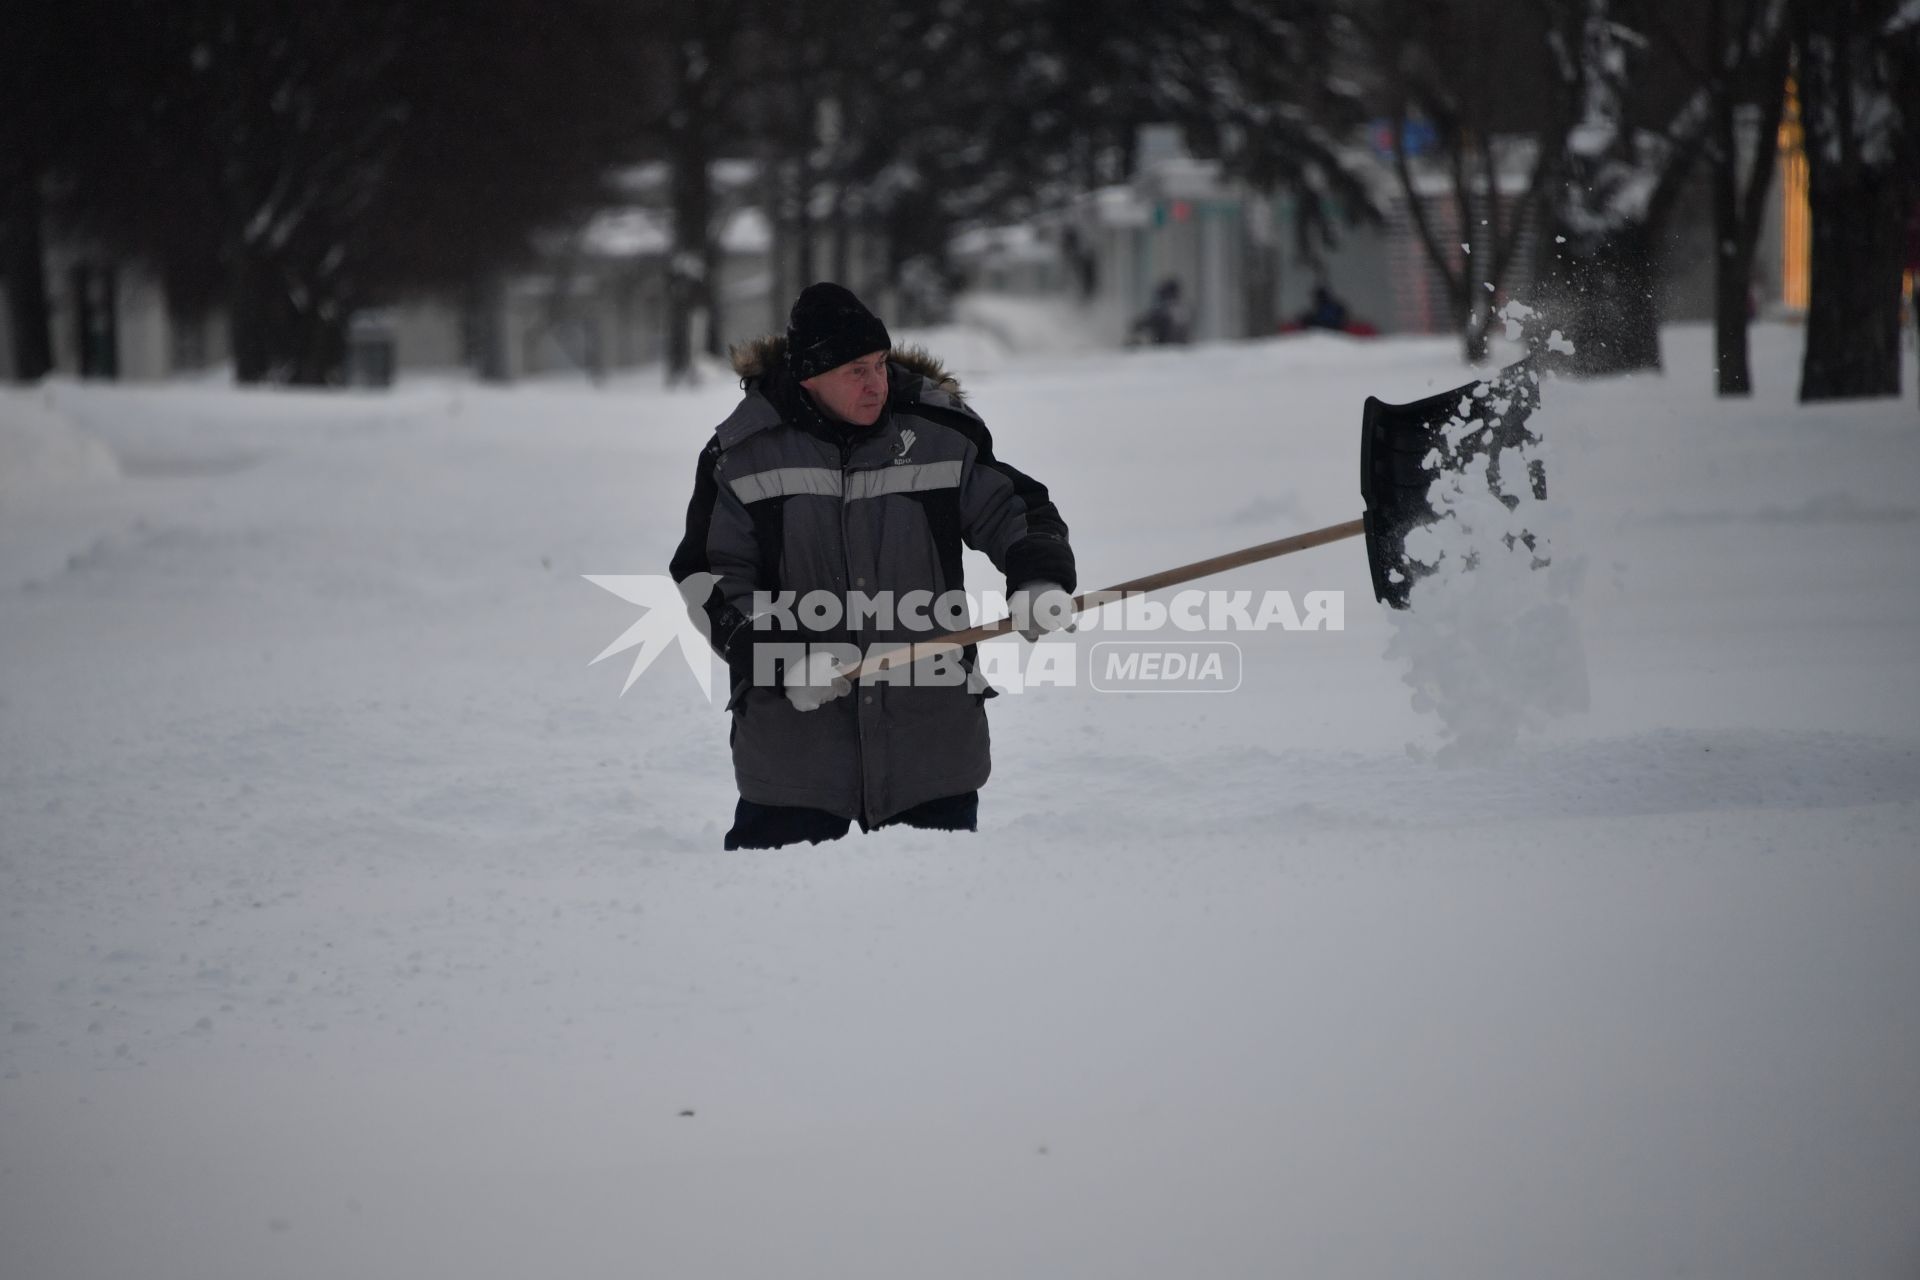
(1403, 450)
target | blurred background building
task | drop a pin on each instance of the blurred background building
(596, 302)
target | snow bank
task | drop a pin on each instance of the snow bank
(1033, 327)
(965, 349)
(60, 487)
(42, 450)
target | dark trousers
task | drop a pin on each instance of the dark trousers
(768, 826)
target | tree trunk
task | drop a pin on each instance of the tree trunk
(715, 340)
(1476, 324)
(1857, 195)
(780, 254)
(281, 328)
(1743, 72)
(842, 236)
(486, 336)
(692, 180)
(1475, 343)
(250, 316)
(1740, 203)
(710, 271)
(319, 355)
(1853, 310)
(803, 222)
(24, 268)
(680, 300)
(1732, 270)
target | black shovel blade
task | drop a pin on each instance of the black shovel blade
(1405, 447)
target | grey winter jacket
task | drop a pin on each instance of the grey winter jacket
(786, 500)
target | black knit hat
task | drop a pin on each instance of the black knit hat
(829, 327)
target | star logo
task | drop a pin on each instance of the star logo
(673, 616)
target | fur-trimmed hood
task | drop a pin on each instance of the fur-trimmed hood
(754, 359)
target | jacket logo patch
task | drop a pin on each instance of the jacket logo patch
(906, 442)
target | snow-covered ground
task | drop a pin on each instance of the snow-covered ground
(355, 926)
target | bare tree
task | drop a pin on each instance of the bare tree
(1459, 68)
(911, 119)
(701, 46)
(1740, 55)
(37, 57)
(1751, 71)
(299, 162)
(1634, 128)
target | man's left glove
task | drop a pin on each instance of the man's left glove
(1041, 607)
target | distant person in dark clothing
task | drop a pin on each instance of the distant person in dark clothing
(1082, 262)
(1164, 321)
(1327, 311)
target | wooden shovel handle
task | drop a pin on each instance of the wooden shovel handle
(919, 649)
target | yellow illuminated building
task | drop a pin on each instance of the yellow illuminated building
(1796, 211)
